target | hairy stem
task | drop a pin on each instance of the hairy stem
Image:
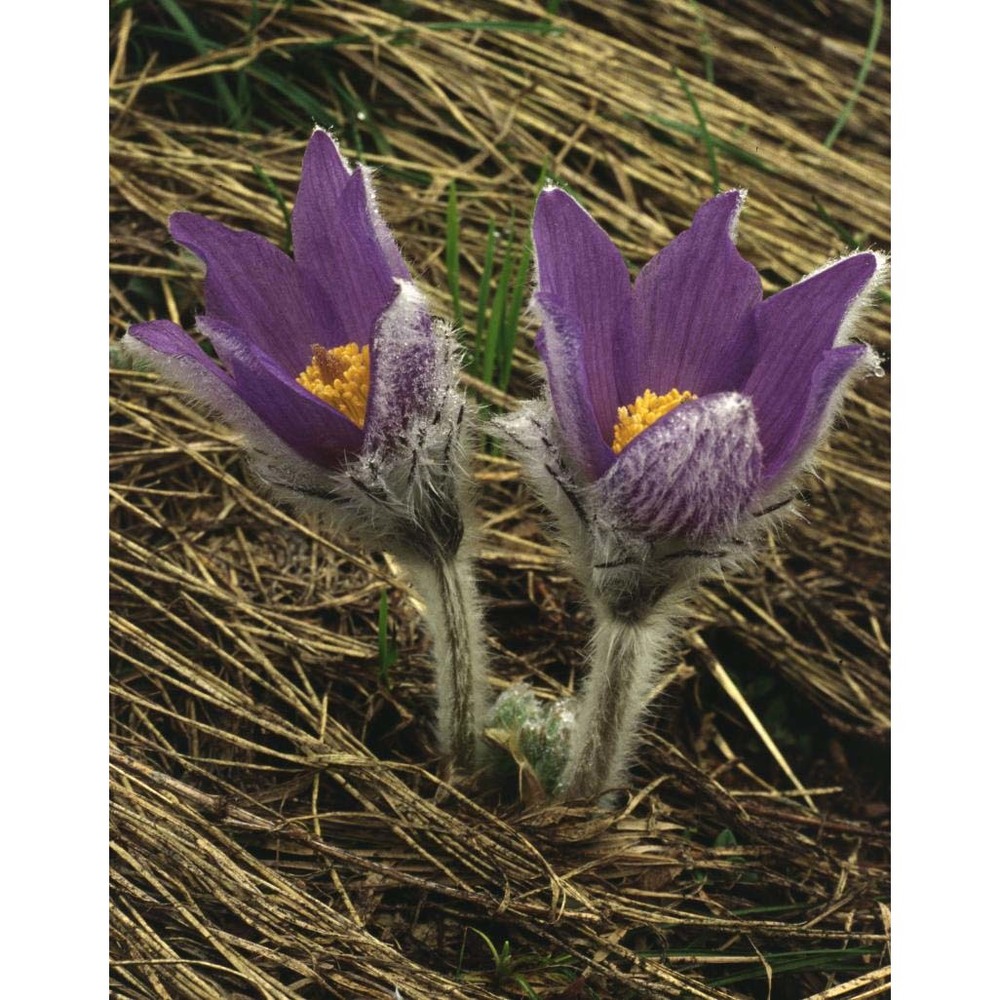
(455, 623)
(626, 655)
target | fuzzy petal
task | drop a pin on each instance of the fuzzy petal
(172, 352)
(560, 345)
(170, 340)
(307, 424)
(407, 373)
(252, 286)
(693, 474)
(324, 177)
(691, 301)
(352, 284)
(826, 385)
(579, 267)
(796, 329)
(390, 249)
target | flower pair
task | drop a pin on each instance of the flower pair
(678, 413)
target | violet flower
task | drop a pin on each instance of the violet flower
(344, 391)
(680, 410)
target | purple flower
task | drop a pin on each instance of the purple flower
(345, 392)
(679, 409)
(329, 355)
(342, 387)
(684, 401)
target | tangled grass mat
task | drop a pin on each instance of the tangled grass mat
(280, 824)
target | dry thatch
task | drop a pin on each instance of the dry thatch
(279, 825)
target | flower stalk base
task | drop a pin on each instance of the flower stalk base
(455, 622)
(627, 655)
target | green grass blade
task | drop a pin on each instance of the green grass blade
(847, 237)
(387, 651)
(706, 136)
(451, 257)
(859, 83)
(202, 46)
(497, 312)
(294, 95)
(513, 318)
(806, 960)
(704, 41)
(721, 145)
(484, 293)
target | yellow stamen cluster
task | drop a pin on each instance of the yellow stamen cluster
(340, 377)
(643, 413)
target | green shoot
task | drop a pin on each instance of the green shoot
(827, 960)
(451, 257)
(388, 653)
(704, 41)
(731, 150)
(706, 136)
(501, 959)
(514, 315)
(484, 294)
(203, 46)
(497, 312)
(843, 234)
(546, 970)
(866, 65)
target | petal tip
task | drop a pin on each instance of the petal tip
(179, 224)
(324, 157)
(161, 335)
(553, 197)
(728, 205)
(320, 137)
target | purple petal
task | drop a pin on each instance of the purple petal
(251, 285)
(351, 282)
(169, 339)
(560, 345)
(312, 427)
(796, 330)
(693, 474)
(172, 352)
(324, 176)
(390, 249)
(691, 301)
(826, 385)
(408, 373)
(579, 267)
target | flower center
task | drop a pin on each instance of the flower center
(643, 413)
(340, 377)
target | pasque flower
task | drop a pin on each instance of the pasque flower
(680, 409)
(344, 390)
(332, 353)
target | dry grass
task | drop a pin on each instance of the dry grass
(279, 825)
